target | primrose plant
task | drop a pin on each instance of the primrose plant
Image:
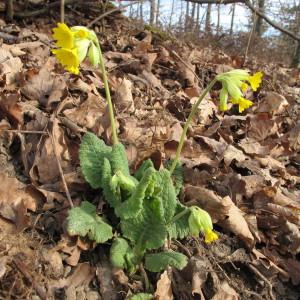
(148, 211)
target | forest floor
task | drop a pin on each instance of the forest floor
(242, 168)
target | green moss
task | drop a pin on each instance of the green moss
(158, 33)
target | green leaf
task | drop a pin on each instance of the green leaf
(118, 251)
(180, 228)
(134, 204)
(91, 154)
(177, 176)
(143, 167)
(167, 194)
(140, 296)
(147, 229)
(119, 160)
(160, 261)
(83, 220)
(111, 195)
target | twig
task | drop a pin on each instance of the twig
(122, 7)
(62, 11)
(252, 268)
(250, 38)
(61, 170)
(23, 131)
(22, 268)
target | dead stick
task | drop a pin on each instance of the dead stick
(61, 170)
(22, 268)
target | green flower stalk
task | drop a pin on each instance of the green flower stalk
(74, 45)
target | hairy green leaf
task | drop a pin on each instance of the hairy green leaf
(118, 251)
(143, 167)
(134, 204)
(177, 176)
(83, 220)
(157, 262)
(140, 296)
(111, 195)
(91, 155)
(180, 228)
(147, 229)
(167, 194)
(119, 160)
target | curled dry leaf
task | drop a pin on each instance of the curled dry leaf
(225, 292)
(164, 287)
(44, 87)
(89, 113)
(223, 211)
(10, 66)
(123, 96)
(273, 103)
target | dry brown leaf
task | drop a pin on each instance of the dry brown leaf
(225, 292)
(164, 287)
(10, 66)
(123, 99)
(10, 108)
(252, 147)
(89, 113)
(44, 87)
(261, 127)
(272, 103)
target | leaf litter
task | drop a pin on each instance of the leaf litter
(242, 169)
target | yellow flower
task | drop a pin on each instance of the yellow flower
(234, 85)
(64, 36)
(68, 58)
(200, 221)
(243, 103)
(255, 80)
(75, 44)
(210, 236)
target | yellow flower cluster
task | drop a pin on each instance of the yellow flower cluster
(74, 45)
(200, 221)
(234, 84)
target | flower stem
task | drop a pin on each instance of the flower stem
(108, 97)
(186, 126)
(180, 215)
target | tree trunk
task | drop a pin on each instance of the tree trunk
(152, 11)
(296, 56)
(207, 20)
(141, 13)
(9, 8)
(157, 12)
(193, 15)
(232, 19)
(218, 21)
(187, 15)
(172, 13)
(198, 19)
(259, 21)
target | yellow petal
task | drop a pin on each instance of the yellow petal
(210, 236)
(255, 80)
(68, 58)
(244, 87)
(244, 104)
(64, 36)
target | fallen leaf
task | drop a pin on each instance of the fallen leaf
(164, 287)
(273, 103)
(123, 96)
(225, 292)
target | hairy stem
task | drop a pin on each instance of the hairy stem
(180, 215)
(108, 97)
(186, 126)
